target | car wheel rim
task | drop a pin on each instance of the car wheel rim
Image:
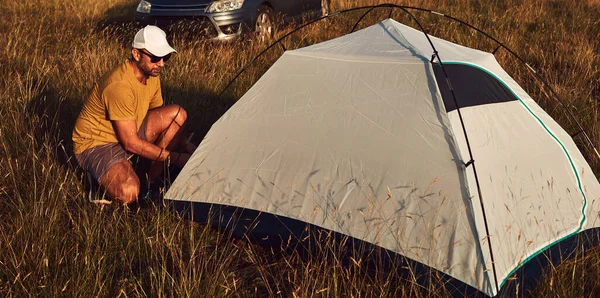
(264, 26)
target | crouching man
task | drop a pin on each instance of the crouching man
(124, 115)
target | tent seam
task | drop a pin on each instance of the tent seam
(584, 207)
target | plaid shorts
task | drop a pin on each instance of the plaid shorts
(98, 160)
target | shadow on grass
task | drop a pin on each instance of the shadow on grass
(283, 235)
(52, 120)
(203, 107)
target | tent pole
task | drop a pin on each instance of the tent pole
(361, 17)
(471, 160)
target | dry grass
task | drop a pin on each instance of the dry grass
(54, 243)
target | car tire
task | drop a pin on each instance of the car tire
(265, 23)
(325, 7)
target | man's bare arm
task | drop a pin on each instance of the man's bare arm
(126, 131)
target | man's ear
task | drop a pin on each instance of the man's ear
(135, 54)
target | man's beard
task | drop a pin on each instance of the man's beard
(153, 72)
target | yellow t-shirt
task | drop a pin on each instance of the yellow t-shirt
(117, 96)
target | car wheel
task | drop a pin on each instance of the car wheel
(325, 6)
(265, 23)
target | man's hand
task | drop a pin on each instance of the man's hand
(126, 131)
(179, 159)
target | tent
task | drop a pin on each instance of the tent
(451, 165)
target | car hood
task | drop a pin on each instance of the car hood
(179, 2)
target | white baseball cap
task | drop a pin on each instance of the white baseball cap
(154, 40)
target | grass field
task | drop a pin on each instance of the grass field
(53, 242)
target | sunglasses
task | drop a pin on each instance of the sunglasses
(155, 59)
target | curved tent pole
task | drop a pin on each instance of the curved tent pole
(471, 162)
(371, 9)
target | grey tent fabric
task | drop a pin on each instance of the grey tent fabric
(354, 135)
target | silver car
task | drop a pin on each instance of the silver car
(224, 19)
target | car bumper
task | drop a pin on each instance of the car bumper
(220, 26)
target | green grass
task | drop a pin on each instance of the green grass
(53, 242)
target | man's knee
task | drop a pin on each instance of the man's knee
(179, 115)
(128, 192)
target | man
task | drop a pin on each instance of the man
(124, 115)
